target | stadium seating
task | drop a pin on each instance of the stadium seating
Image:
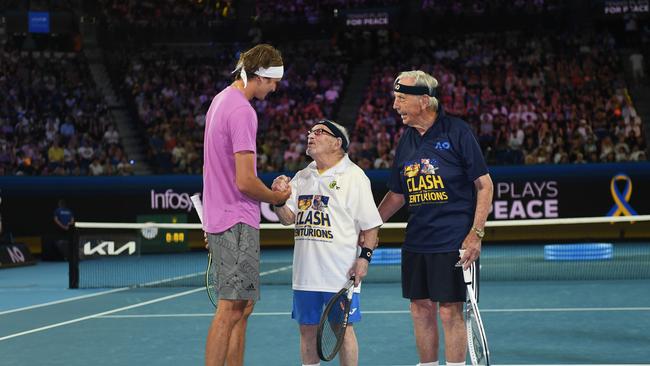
(53, 121)
(173, 90)
(554, 99)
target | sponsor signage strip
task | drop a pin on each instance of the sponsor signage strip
(14, 255)
(520, 193)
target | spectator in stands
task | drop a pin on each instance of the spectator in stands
(111, 136)
(638, 154)
(96, 168)
(638, 69)
(55, 155)
(67, 129)
(124, 167)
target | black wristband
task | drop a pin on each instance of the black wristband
(366, 253)
(280, 205)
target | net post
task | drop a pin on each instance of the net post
(73, 259)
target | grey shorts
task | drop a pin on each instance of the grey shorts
(236, 255)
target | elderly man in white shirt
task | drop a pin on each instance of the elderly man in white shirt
(331, 205)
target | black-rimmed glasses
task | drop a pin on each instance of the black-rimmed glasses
(320, 131)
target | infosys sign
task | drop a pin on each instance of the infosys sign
(170, 200)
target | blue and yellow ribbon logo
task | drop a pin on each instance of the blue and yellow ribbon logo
(621, 200)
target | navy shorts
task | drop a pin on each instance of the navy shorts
(432, 276)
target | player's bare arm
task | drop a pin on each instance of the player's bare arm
(250, 185)
(472, 242)
(391, 203)
(360, 268)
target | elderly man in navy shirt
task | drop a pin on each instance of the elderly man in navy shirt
(440, 173)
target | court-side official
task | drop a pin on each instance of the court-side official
(440, 174)
(331, 204)
(231, 197)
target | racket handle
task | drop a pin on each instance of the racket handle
(198, 206)
(467, 275)
(351, 288)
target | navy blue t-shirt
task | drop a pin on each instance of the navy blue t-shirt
(435, 172)
(64, 215)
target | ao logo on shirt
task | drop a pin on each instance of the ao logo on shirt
(443, 145)
(423, 183)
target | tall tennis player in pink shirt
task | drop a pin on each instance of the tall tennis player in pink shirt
(232, 193)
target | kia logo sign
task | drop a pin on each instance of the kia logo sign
(108, 248)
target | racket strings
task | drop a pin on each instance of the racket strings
(476, 347)
(476, 344)
(211, 279)
(334, 329)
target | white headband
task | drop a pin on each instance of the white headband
(271, 72)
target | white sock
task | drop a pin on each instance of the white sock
(434, 363)
(455, 363)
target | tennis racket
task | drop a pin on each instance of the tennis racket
(479, 352)
(333, 322)
(211, 270)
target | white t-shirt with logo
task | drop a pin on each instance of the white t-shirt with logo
(331, 210)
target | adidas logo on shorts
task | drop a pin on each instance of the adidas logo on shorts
(250, 287)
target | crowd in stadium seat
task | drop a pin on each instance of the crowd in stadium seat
(174, 14)
(553, 99)
(167, 13)
(559, 98)
(134, 22)
(487, 7)
(310, 11)
(310, 91)
(53, 121)
(172, 92)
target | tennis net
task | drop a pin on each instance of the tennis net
(106, 255)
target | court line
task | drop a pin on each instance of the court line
(539, 310)
(102, 313)
(529, 310)
(153, 301)
(63, 301)
(545, 310)
(153, 283)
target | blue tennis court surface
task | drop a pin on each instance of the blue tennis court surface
(527, 322)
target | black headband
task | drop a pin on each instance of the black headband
(335, 131)
(413, 90)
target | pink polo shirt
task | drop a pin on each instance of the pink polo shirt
(230, 127)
